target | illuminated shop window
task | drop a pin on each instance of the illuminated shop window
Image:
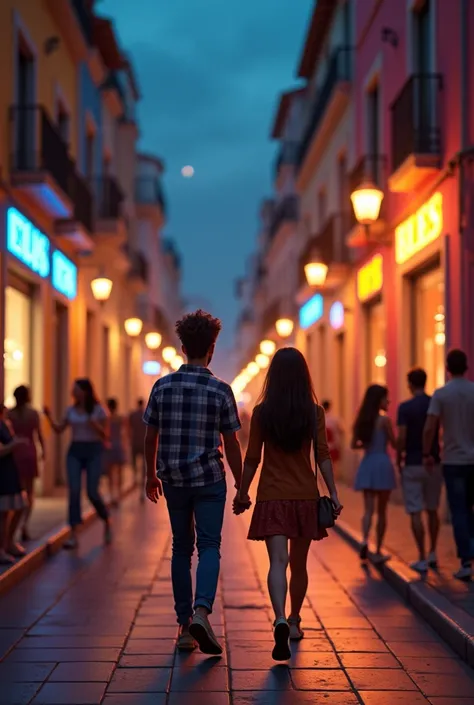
(429, 327)
(17, 343)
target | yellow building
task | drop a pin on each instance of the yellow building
(67, 212)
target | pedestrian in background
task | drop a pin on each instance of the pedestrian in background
(88, 422)
(190, 415)
(25, 422)
(335, 434)
(452, 407)
(114, 456)
(375, 477)
(285, 423)
(137, 430)
(12, 497)
(421, 486)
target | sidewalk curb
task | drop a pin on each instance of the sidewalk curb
(454, 625)
(47, 546)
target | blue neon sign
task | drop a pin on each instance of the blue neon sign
(64, 276)
(151, 367)
(28, 243)
(311, 311)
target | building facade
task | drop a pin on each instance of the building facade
(70, 214)
(386, 114)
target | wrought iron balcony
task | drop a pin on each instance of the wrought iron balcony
(148, 191)
(339, 71)
(416, 130)
(108, 197)
(286, 211)
(39, 159)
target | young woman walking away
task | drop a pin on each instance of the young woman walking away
(285, 423)
(375, 477)
(115, 453)
(12, 498)
(25, 422)
(88, 422)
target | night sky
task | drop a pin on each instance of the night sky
(210, 73)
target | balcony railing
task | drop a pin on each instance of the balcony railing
(85, 18)
(416, 118)
(328, 243)
(148, 191)
(83, 200)
(286, 211)
(339, 69)
(37, 145)
(108, 198)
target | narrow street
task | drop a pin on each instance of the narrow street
(99, 628)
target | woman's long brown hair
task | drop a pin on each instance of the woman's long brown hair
(368, 413)
(287, 411)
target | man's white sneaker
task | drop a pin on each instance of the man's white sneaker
(420, 566)
(464, 572)
(432, 560)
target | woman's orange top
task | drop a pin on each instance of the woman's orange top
(286, 475)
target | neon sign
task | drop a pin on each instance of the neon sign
(27, 243)
(151, 367)
(336, 315)
(311, 311)
(64, 276)
(415, 233)
(370, 278)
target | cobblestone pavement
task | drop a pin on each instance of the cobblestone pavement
(98, 627)
(400, 543)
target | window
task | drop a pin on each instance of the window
(63, 122)
(376, 359)
(25, 97)
(17, 344)
(428, 325)
(422, 39)
(373, 130)
(90, 155)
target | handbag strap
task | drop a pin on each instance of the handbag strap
(315, 439)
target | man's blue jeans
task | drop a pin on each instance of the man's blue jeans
(195, 512)
(459, 481)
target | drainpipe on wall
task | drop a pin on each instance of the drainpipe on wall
(464, 100)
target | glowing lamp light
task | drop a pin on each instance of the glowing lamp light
(336, 315)
(284, 327)
(253, 369)
(366, 201)
(168, 354)
(187, 171)
(133, 327)
(153, 340)
(380, 359)
(316, 273)
(267, 347)
(440, 339)
(262, 361)
(245, 377)
(176, 362)
(151, 367)
(101, 288)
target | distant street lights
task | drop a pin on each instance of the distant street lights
(284, 327)
(101, 288)
(133, 327)
(153, 340)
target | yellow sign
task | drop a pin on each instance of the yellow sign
(370, 278)
(420, 229)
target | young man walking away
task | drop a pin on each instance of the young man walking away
(421, 486)
(453, 407)
(189, 413)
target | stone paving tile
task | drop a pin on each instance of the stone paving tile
(25, 672)
(147, 661)
(295, 698)
(195, 698)
(153, 632)
(390, 697)
(242, 661)
(18, 693)
(71, 642)
(140, 680)
(443, 684)
(149, 646)
(83, 672)
(276, 679)
(451, 666)
(354, 659)
(70, 694)
(452, 701)
(380, 679)
(135, 699)
(324, 680)
(57, 655)
(205, 676)
(422, 649)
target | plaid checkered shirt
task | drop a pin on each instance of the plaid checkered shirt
(191, 409)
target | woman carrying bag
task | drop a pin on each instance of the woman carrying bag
(289, 513)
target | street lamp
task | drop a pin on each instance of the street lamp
(262, 361)
(252, 369)
(284, 327)
(366, 201)
(176, 362)
(168, 354)
(267, 347)
(101, 289)
(316, 272)
(133, 327)
(153, 340)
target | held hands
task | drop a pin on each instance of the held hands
(241, 504)
(153, 489)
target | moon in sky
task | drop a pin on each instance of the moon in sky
(187, 171)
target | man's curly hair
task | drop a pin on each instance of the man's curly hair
(198, 332)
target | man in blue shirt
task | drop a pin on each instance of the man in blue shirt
(190, 415)
(421, 485)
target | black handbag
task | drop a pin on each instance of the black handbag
(326, 513)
